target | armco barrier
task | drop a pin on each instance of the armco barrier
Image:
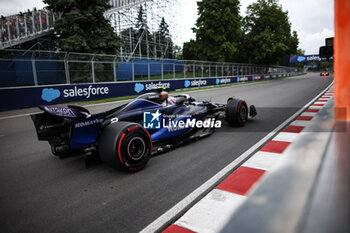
(15, 98)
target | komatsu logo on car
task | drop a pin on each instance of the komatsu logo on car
(87, 123)
(191, 123)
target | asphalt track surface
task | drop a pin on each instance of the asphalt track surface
(41, 193)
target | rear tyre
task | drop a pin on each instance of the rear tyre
(126, 146)
(236, 112)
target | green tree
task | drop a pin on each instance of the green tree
(83, 28)
(128, 36)
(164, 40)
(218, 31)
(190, 50)
(267, 33)
(177, 52)
(300, 52)
(143, 32)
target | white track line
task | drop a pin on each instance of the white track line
(171, 215)
(17, 116)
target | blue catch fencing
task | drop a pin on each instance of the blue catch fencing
(124, 69)
(18, 71)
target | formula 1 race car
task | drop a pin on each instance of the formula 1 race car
(125, 137)
(325, 73)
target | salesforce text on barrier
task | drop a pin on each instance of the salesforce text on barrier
(87, 91)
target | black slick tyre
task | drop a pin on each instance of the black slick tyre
(236, 112)
(125, 145)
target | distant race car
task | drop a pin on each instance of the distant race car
(325, 73)
(125, 137)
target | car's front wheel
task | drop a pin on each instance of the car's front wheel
(236, 112)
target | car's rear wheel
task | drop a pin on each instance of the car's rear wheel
(125, 145)
(236, 112)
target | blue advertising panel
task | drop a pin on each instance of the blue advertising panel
(15, 98)
(307, 58)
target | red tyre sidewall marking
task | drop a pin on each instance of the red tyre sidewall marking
(133, 128)
(150, 139)
(119, 148)
(239, 116)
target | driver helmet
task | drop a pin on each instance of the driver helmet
(164, 95)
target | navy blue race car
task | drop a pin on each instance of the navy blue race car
(125, 137)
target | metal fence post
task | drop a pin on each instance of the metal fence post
(114, 70)
(132, 70)
(174, 70)
(184, 71)
(162, 69)
(93, 69)
(66, 68)
(209, 70)
(216, 70)
(202, 68)
(34, 72)
(149, 70)
(194, 70)
(222, 70)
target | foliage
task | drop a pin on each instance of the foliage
(142, 31)
(300, 52)
(190, 50)
(83, 27)
(163, 36)
(160, 38)
(263, 37)
(218, 32)
(267, 33)
(178, 52)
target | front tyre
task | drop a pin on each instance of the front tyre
(126, 146)
(236, 112)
